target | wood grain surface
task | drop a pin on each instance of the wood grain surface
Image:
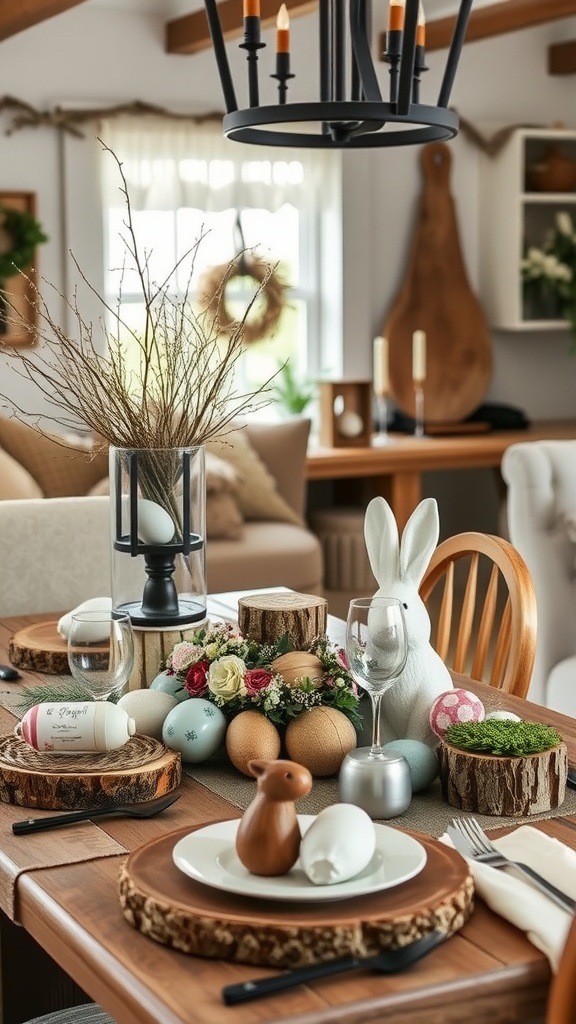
(40, 648)
(436, 297)
(488, 973)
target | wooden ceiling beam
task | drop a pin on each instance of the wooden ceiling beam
(17, 15)
(189, 34)
(497, 19)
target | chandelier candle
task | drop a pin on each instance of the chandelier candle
(252, 44)
(394, 34)
(420, 58)
(282, 52)
(419, 376)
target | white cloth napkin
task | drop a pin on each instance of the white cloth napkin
(514, 897)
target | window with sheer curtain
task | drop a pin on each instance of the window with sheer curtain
(186, 181)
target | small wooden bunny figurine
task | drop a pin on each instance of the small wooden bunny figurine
(268, 837)
(399, 567)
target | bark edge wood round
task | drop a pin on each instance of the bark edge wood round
(40, 648)
(503, 786)
(265, 618)
(167, 906)
(56, 790)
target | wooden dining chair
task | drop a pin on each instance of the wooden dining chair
(482, 604)
(561, 1005)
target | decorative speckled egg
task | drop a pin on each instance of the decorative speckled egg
(148, 708)
(250, 736)
(453, 707)
(196, 728)
(422, 761)
(169, 684)
(503, 716)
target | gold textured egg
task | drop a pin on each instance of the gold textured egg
(298, 665)
(249, 736)
(320, 739)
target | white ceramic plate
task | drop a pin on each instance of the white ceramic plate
(209, 856)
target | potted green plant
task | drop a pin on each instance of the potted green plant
(293, 394)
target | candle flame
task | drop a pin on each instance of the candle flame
(283, 19)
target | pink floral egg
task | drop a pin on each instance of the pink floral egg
(455, 706)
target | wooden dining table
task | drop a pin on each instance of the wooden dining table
(487, 972)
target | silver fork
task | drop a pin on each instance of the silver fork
(469, 839)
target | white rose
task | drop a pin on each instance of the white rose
(226, 677)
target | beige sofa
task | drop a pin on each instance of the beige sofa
(54, 516)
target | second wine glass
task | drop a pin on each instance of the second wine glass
(377, 649)
(101, 652)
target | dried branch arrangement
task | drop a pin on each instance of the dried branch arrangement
(182, 393)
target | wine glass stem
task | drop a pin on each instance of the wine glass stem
(376, 699)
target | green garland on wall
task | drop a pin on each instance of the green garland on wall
(25, 233)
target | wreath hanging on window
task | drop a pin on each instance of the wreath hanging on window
(270, 287)
(20, 233)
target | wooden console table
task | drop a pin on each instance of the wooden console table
(395, 470)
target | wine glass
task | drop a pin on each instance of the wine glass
(377, 649)
(101, 651)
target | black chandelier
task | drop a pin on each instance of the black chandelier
(350, 111)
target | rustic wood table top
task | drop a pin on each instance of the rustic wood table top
(488, 972)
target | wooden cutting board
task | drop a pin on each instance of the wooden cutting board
(436, 297)
(171, 908)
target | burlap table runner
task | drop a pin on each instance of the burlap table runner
(428, 811)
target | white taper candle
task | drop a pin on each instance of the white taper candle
(419, 356)
(381, 380)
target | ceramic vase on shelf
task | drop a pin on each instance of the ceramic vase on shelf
(158, 511)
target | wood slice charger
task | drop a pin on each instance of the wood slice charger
(437, 299)
(140, 770)
(40, 648)
(161, 902)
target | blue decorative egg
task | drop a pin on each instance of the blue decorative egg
(169, 684)
(196, 728)
(422, 761)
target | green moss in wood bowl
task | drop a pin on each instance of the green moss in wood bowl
(502, 737)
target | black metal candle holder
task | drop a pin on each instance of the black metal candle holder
(161, 606)
(252, 43)
(282, 75)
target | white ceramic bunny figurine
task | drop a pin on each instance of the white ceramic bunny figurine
(399, 569)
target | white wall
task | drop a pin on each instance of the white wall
(94, 56)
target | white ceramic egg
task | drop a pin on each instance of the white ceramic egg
(503, 716)
(350, 424)
(196, 728)
(94, 604)
(148, 708)
(169, 683)
(422, 761)
(338, 845)
(155, 526)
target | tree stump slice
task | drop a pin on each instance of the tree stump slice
(504, 786)
(265, 618)
(169, 907)
(40, 648)
(29, 778)
(151, 648)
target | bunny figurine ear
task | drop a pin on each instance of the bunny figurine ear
(419, 540)
(382, 541)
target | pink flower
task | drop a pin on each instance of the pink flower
(341, 656)
(256, 679)
(195, 682)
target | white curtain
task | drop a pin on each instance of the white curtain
(171, 164)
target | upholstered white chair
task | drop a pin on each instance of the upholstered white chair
(541, 479)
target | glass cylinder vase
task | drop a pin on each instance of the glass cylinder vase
(158, 514)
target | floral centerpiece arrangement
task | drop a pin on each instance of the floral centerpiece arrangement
(236, 674)
(549, 274)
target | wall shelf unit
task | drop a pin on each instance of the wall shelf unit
(514, 216)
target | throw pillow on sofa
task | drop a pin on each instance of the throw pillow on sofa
(61, 467)
(15, 481)
(258, 495)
